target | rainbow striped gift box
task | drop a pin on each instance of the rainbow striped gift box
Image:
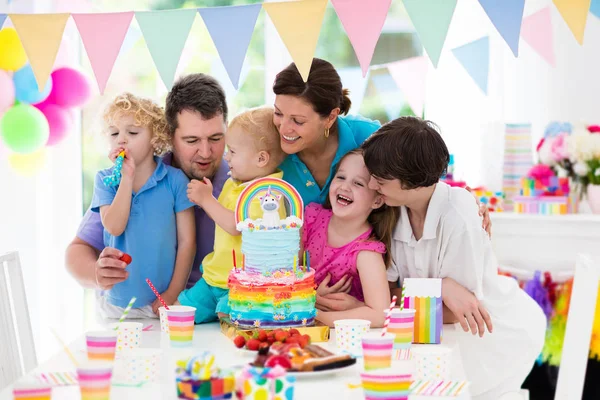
(545, 205)
(386, 384)
(518, 160)
(425, 296)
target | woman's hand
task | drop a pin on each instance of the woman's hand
(465, 306)
(342, 286)
(338, 302)
(483, 212)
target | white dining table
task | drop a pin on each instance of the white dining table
(209, 337)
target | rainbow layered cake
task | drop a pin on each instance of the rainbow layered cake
(271, 288)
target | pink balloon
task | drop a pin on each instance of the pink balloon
(60, 122)
(70, 88)
(7, 91)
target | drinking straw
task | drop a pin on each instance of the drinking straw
(389, 315)
(157, 294)
(403, 294)
(65, 348)
(233, 254)
(125, 312)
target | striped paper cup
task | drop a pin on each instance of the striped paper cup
(377, 350)
(32, 391)
(129, 334)
(181, 325)
(94, 380)
(402, 325)
(386, 384)
(101, 345)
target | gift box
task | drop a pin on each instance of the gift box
(265, 384)
(318, 332)
(545, 205)
(425, 297)
(198, 378)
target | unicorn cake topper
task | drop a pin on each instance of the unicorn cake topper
(270, 206)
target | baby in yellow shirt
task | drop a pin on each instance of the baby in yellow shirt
(253, 151)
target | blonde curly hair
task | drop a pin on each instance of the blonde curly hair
(145, 113)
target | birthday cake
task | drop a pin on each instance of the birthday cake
(272, 288)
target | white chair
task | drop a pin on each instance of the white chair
(17, 350)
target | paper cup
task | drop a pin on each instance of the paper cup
(129, 335)
(386, 384)
(32, 391)
(138, 365)
(402, 325)
(101, 345)
(164, 322)
(181, 325)
(432, 362)
(94, 380)
(377, 350)
(349, 332)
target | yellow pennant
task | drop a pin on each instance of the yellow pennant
(298, 24)
(40, 35)
(575, 13)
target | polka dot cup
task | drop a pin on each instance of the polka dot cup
(349, 333)
(164, 322)
(432, 362)
(129, 335)
(138, 365)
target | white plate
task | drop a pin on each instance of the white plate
(314, 374)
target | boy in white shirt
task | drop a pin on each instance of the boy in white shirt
(439, 235)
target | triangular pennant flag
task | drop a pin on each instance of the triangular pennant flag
(102, 50)
(362, 21)
(595, 8)
(218, 71)
(223, 23)
(298, 24)
(132, 37)
(410, 76)
(475, 58)
(506, 15)
(40, 35)
(166, 49)
(575, 13)
(352, 79)
(431, 19)
(2, 19)
(537, 32)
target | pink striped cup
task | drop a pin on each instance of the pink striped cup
(32, 391)
(377, 350)
(402, 325)
(181, 325)
(101, 345)
(94, 380)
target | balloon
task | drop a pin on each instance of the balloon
(70, 88)
(59, 121)
(12, 53)
(28, 164)
(24, 129)
(7, 91)
(26, 87)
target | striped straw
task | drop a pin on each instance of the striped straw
(65, 347)
(389, 315)
(157, 294)
(126, 312)
(402, 299)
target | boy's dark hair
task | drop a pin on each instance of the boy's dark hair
(195, 92)
(408, 149)
(383, 219)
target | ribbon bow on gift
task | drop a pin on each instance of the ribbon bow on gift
(115, 179)
(200, 367)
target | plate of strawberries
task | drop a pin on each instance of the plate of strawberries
(261, 339)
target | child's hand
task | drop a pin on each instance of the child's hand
(114, 153)
(338, 302)
(128, 165)
(465, 306)
(199, 191)
(169, 298)
(342, 286)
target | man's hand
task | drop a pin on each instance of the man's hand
(465, 306)
(338, 302)
(168, 297)
(342, 286)
(109, 269)
(199, 191)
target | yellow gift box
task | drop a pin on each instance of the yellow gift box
(318, 333)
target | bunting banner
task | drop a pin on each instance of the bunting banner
(410, 76)
(353, 80)
(2, 19)
(102, 50)
(506, 15)
(40, 35)
(299, 25)
(223, 23)
(431, 19)
(594, 8)
(166, 49)
(537, 32)
(575, 13)
(132, 37)
(475, 59)
(363, 36)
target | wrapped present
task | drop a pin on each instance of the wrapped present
(265, 384)
(424, 295)
(198, 378)
(318, 332)
(545, 205)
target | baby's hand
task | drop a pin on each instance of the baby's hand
(199, 191)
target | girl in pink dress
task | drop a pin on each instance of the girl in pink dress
(346, 240)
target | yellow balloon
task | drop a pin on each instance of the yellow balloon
(28, 164)
(12, 53)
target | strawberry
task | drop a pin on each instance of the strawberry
(239, 341)
(262, 336)
(292, 339)
(271, 339)
(126, 258)
(302, 341)
(280, 336)
(253, 344)
(294, 331)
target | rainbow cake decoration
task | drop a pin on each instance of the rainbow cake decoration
(271, 289)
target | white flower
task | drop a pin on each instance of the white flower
(597, 173)
(581, 168)
(545, 153)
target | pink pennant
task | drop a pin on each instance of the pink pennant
(362, 21)
(103, 49)
(536, 30)
(410, 76)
